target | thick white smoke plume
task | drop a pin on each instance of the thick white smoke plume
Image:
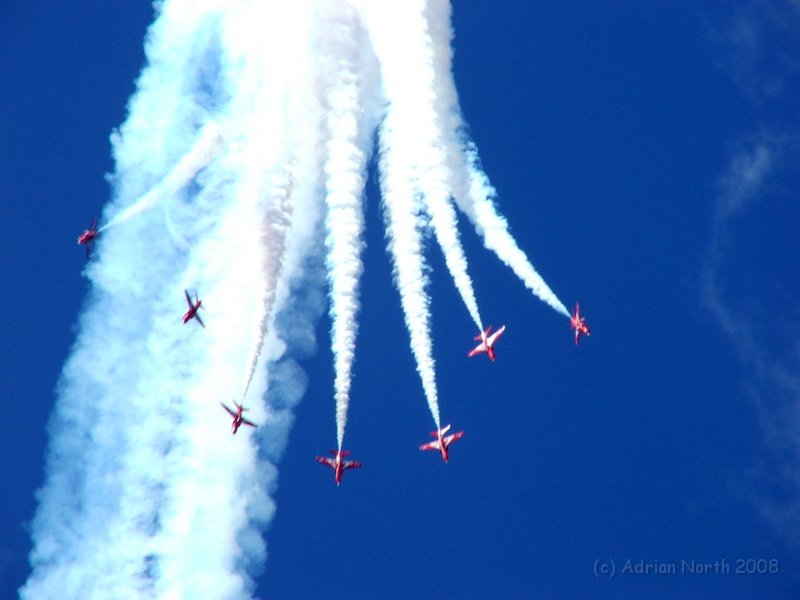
(246, 146)
(406, 52)
(345, 175)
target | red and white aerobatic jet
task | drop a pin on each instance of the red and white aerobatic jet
(338, 464)
(487, 342)
(193, 308)
(441, 442)
(577, 322)
(238, 418)
(89, 236)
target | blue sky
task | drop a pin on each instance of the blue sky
(644, 159)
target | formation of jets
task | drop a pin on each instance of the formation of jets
(486, 340)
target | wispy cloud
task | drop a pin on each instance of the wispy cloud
(758, 47)
(770, 358)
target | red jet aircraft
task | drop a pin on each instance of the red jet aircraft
(89, 236)
(487, 342)
(193, 308)
(238, 419)
(441, 443)
(338, 464)
(577, 322)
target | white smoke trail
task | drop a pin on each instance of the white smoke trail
(275, 227)
(404, 47)
(147, 494)
(403, 226)
(402, 205)
(443, 219)
(257, 40)
(344, 169)
(470, 186)
(479, 206)
(199, 155)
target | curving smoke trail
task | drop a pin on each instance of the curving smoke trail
(479, 206)
(471, 189)
(251, 126)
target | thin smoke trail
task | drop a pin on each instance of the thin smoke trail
(480, 207)
(471, 189)
(200, 154)
(257, 39)
(275, 226)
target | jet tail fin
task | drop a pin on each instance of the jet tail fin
(443, 430)
(482, 336)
